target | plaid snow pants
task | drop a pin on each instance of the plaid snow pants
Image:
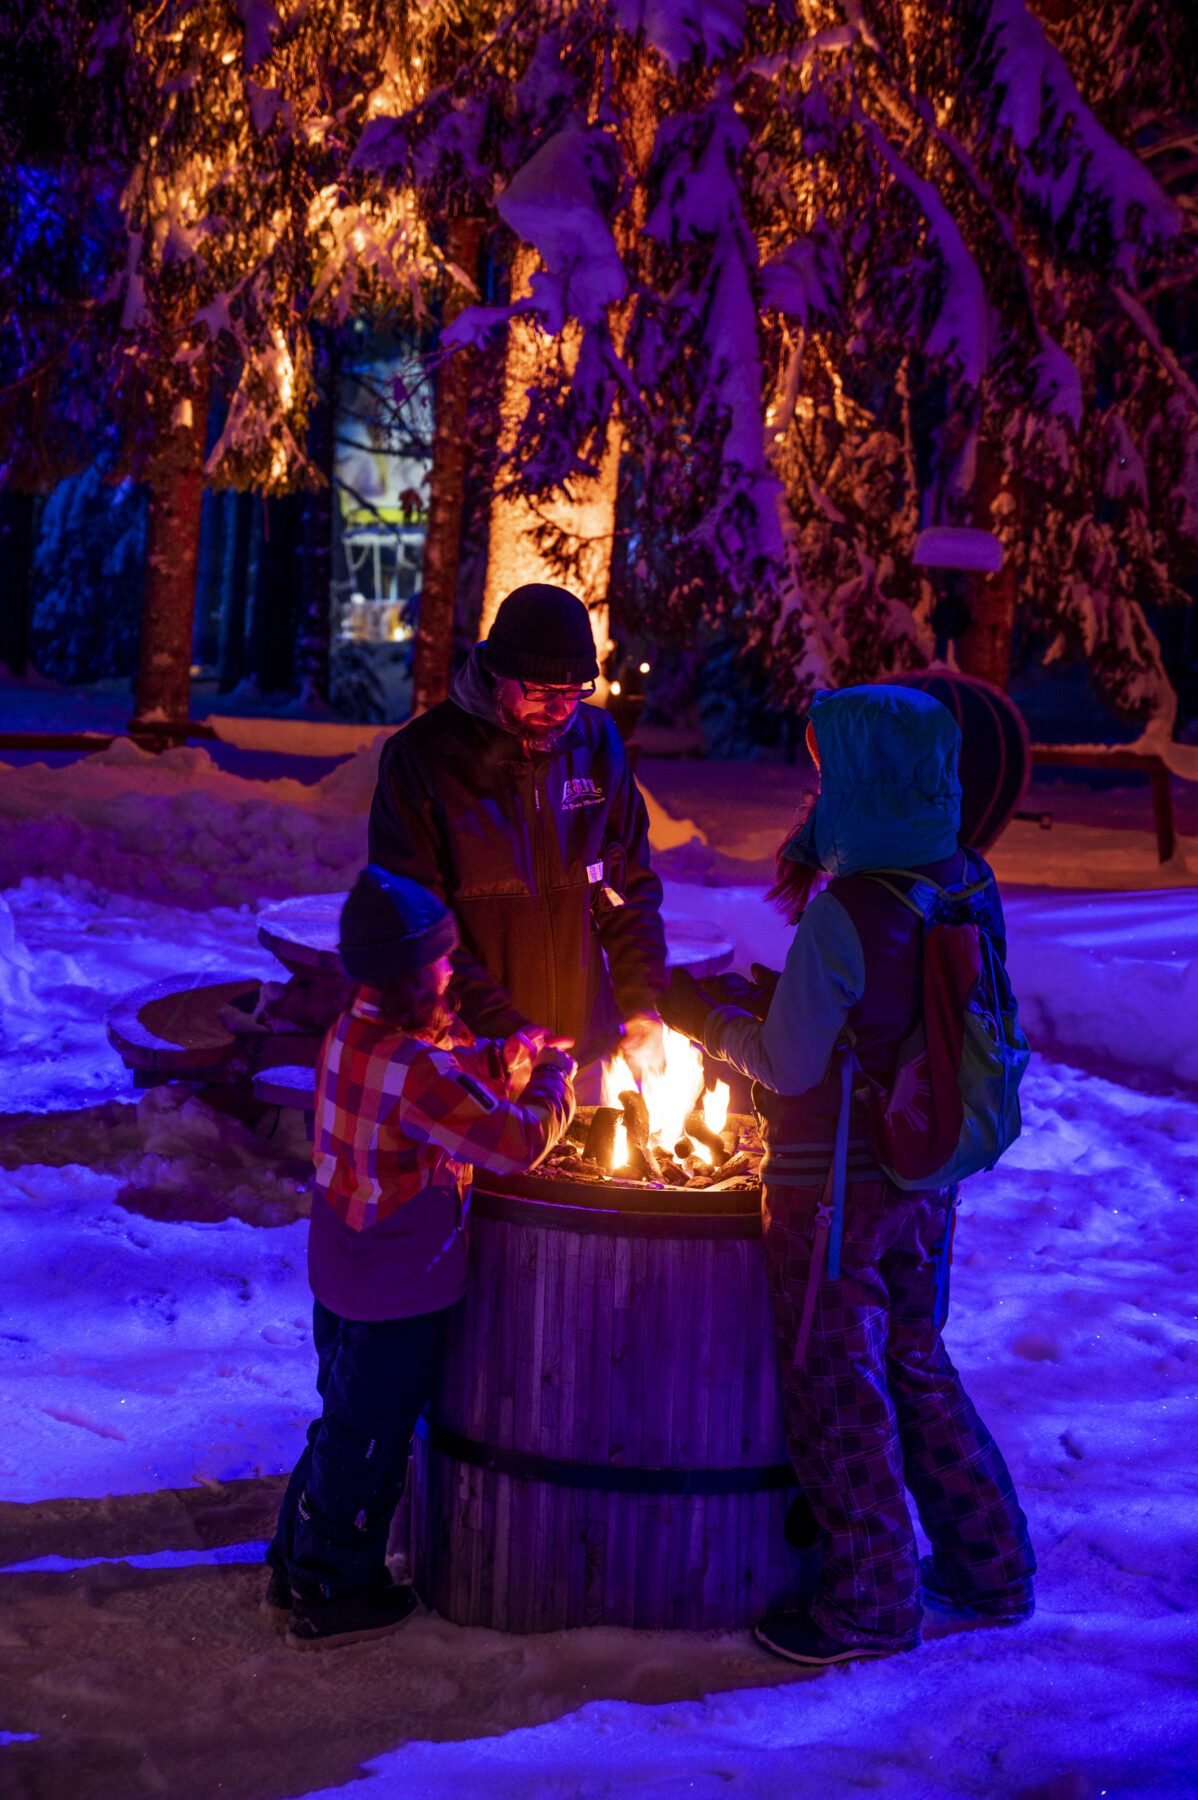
(877, 1407)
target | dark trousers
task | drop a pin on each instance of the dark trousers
(374, 1378)
(875, 1407)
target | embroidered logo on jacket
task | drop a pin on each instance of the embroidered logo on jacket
(580, 791)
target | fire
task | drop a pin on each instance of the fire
(670, 1097)
(716, 1102)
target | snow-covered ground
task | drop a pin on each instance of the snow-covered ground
(154, 1320)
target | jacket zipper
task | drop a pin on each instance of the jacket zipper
(540, 871)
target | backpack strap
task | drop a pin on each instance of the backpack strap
(922, 892)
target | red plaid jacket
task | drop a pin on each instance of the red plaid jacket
(396, 1115)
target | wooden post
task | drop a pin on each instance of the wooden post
(984, 647)
(443, 542)
(172, 553)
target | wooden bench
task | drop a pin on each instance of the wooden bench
(179, 1030)
(1052, 756)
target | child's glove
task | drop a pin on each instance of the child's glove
(684, 1006)
(751, 995)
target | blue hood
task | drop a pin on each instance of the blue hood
(889, 794)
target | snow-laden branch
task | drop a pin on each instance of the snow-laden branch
(961, 331)
(1168, 361)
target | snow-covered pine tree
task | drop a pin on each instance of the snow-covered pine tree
(225, 131)
(874, 243)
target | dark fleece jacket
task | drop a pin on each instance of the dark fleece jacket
(515, 841)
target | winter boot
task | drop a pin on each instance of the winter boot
(318, 1623)
(1008, 1608)
(797, 1638)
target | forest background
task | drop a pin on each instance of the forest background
(713, 309)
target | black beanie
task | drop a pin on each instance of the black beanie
(391, 927)
(542, 634)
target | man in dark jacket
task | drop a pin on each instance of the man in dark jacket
(516, 805)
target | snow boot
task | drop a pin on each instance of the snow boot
(796, 1638)
(1001, 1609)
(318, 1623)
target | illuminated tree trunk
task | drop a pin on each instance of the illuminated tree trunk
(172, 554)
(984, 648)
(447, 479)
(589, 516)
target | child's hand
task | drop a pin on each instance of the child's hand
(556, 1055)
(522, 1048)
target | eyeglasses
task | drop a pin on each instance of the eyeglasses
(538, 690)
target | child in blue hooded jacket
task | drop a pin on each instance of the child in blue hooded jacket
(872, 1402)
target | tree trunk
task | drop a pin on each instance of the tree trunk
(984, 647)
(586, 515)
(234, 586)
(214, 515)
(172, 552)
(313, 633)
(271, 648)
(443, 541)
(18, 535)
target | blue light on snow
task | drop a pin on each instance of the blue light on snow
(152, 1559)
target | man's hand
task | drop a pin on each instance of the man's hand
(644, 1045)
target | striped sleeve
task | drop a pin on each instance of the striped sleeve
(447, 1105)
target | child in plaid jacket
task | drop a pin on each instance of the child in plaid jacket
(404, 1109)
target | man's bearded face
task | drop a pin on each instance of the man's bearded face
(538, 713)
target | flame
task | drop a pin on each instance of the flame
(669, 1097)
(716, 1102)
(619, 1154)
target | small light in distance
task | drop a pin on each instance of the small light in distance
(616, 689)
(644, 668)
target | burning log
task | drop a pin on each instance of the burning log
(636, 1124)
(600, 1144)
(736, 1168)
(696, 1127)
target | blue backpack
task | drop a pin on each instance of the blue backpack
(953, 1106)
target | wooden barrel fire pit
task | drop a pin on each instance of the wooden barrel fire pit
(606, 1447)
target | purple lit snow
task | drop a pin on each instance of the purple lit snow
(155, 1342)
